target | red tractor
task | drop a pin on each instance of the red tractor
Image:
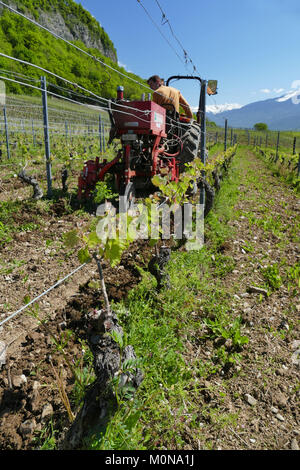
(152, 142)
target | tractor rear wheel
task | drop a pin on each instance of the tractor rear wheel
(191, 143)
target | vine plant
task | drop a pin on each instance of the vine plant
(111, 234)
(178, 192)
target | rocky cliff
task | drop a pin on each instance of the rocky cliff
(69, 20)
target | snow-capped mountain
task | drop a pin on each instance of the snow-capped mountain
(281, 113)
(219, 108)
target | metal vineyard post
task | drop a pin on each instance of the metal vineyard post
(46, 136)
(6, 132)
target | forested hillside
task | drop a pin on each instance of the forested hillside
(21, 39)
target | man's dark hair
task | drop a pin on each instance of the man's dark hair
(154, 78)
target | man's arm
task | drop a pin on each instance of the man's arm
(185, 106)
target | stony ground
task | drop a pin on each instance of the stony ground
(256, 406)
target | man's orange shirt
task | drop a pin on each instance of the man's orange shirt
(169, 95)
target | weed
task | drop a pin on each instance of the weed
(272, 276)
(5, 236)
(248, 247)
(223, 265)
(10, 267)
(222, 327)
(25, 279)
(45, 439)
(272, 224)
(62, 392)
(103, 191)
(6, 306)
(29, 227)
(293, 275)
(121, 432)
(85, 374)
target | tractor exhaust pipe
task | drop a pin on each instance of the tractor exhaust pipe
(120, 93)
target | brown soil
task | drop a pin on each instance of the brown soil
(30, 264)
(33, 357)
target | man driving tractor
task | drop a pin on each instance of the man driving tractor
(166, 95)
(152, 142)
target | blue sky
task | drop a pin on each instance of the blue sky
(250, 46)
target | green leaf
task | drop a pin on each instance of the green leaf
(94, 285)
(93, 240)
(156, 181)
(84, 255)
(132, 419)
(71, 239)
(114, 249)
(117, 337)
(152, 242)
(26, 299)
(130, 364)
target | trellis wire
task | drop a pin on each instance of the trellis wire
(41, 295)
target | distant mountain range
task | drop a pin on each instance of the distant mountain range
(278, 113)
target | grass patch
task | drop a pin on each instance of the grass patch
(18, 216)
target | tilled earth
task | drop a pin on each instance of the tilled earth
(29, 385)
(254, 406)
(31, 263)
(30, 395)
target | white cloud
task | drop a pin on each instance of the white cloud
(268, 90)
(219, 108)
(124, 66)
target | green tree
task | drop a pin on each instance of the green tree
(210, 123)
(260, 126)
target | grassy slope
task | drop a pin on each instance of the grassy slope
(21, 39)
